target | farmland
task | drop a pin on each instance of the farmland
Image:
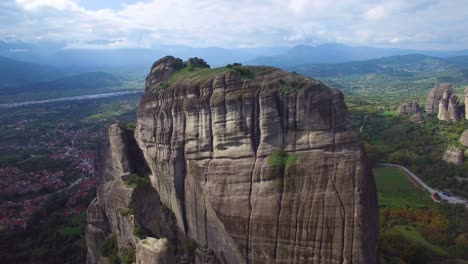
(414, 229)
(396, 190)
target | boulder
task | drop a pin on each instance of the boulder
(417, 118)
(464, 138)
(454, 155)
(154, 251)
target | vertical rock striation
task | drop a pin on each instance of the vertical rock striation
(433, 98)
(409, 108)
(258, 164)
(466, 103)
(448, 107)
(119, 207)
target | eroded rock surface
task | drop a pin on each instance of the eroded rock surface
(409, 108)
(448, 107)
(464, 138)
(466, 103)
(120, 207)
(154, 251)
(209, 139)
(454, 155)
(417, 118)
(434, 97)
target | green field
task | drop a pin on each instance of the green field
(411, 234)
(395, 190)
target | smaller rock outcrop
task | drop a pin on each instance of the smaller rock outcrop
(436, 94)
(163, 69)
(448, 107)
(417, 118)
(454, 155)
(126, 203)
(466, 103)
(409, 108)
(464, 138)
(154, 251)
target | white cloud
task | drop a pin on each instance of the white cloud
(415, 24)
(376, 13)
(57, 4)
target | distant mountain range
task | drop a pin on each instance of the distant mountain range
(14, 73)
(404, 65)
(336, 53)
(141, 59)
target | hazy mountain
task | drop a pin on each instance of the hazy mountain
(13, 73)
(404, 65)
(336, 53)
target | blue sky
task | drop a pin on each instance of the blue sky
(111, 24)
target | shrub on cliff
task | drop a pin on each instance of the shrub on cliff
(110, 250)
(282, 159)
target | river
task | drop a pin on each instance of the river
(71, 98)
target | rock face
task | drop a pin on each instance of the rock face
(119, 208)
(162, 70)
(436, 94)
(454, 155)
(409, 108)
(464, 138)
(154, 251)
(466, 103)
(448, 107)
(417, 118)
(258, 164)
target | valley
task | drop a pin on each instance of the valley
(49, 177)
(47, 174)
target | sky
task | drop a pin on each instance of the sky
(112, 24)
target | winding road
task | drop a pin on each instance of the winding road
(448, 199)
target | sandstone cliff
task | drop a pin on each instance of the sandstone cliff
(409, 108)
(433, 98)
(466, 103)
(125, 202)
(257, 165)
(448, 107)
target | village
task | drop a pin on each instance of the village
(25, 186)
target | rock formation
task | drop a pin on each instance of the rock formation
(466, 103)
(154, 251)
(464, 138)
(257, 165)
(417, 118)
(409, 108)
(121, 206)
(436, 94)
(454, 155)
(448, 107)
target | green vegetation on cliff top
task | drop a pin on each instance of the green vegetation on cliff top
(200, 74)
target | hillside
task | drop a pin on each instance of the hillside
(14, 73)
(338, 53)
(389, 80)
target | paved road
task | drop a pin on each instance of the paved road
(448, 199)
